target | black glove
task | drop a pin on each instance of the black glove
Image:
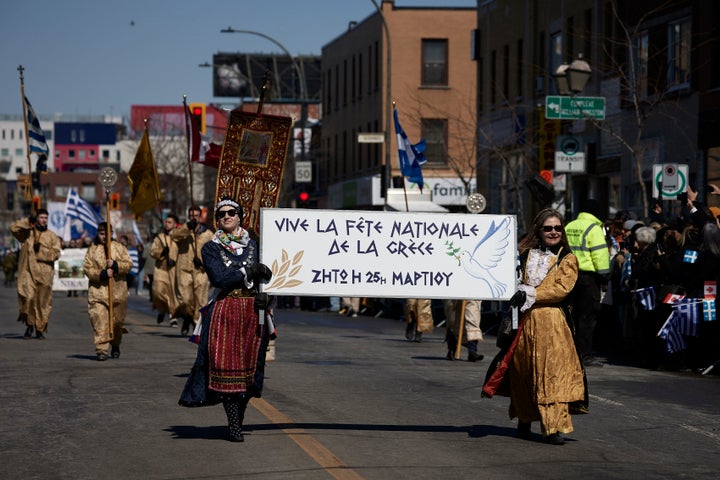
(165, 252)
(36, 247)
(258, 272)
(518, 300)
(192, 224)
(197, 262)
(171, 262)
(261, 301)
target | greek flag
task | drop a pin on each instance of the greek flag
(36, 137)
(78, 210)
(411, 156)
(686, 314)
(645, 297)
(134, 257)
(674, 340)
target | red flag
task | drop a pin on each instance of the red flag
(192, 132)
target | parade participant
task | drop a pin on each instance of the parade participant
(165, 253)
(192, 281)
(586, 237)
(470, 326)
(39, 249)
(102, 270)
(419, 319)
(545, 375)
(230, 362)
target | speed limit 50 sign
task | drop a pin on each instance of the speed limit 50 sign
(303, 171)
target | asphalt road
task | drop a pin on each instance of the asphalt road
(345, 398)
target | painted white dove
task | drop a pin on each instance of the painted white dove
(487, 254)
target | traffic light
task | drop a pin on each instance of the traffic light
(198, 111)
(303, 199)
(35, 204)
(115, 201)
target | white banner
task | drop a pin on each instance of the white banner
(351, 253)
(69, 274)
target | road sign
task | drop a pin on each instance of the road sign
(569, 155)
(303, 172)
(558, 107)
(371, 138)
(670, 192)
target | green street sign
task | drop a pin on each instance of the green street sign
(559, 107)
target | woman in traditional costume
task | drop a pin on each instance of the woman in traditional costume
(230, 363)
(542, 365)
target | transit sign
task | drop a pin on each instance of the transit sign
(559, 107)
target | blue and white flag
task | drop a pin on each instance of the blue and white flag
(709, 312)
(83, 219)
(36, 137)
(133, 252)
(674, 340)
(690, 256)
(645, 297)
(687, 315)
(411, 157)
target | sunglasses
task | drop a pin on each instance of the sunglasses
(221, 214)
(550, 228)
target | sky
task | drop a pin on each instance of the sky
(99, 57)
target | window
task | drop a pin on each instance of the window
(61, 190)
(679, 54)
(434, 131)
(81, 154)
(434, 58)
(87, 191)
(71, 153)
(639, 57)
(493, 78)
(519, 69)
(19, 152)
(556, 52)
(106, 154)
(506, 75)
(5, 152)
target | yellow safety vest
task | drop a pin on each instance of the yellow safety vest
(587, 241)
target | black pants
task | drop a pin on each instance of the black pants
(586, 306)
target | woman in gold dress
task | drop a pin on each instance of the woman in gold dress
(545, 376)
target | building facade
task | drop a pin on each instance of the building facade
(650, 63)
(426, 71)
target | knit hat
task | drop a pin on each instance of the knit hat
(629, 224)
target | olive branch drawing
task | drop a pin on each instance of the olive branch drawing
(283, 273)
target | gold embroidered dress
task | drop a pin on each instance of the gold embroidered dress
(545, 372)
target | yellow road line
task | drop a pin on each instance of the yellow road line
(316, 450)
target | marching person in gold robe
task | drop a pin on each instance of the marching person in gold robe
(99, 270)
(192, 281)
(39, 250)
(165, 253)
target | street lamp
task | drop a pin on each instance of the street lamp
(571, 79)
(388, 100)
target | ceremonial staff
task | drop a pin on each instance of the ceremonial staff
(108, 178)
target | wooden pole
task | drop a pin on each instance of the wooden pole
(188, 133)
(461, 327)
(108, 256)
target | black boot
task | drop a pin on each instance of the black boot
(235, 411)
(451, 345)
(28, 332)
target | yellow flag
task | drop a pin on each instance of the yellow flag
(143, 180)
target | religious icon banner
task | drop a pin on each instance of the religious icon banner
(252, 163)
